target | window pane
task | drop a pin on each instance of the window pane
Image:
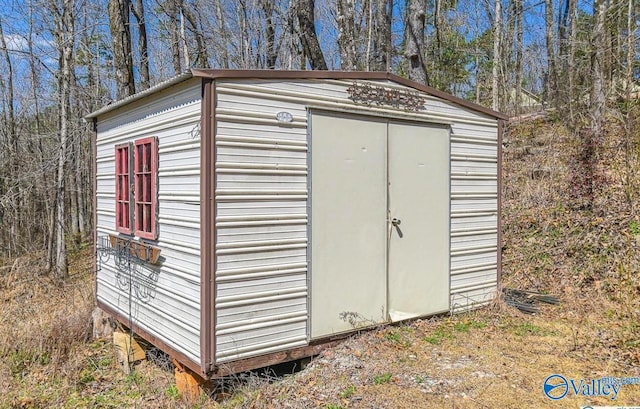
(147, 190)
(138, 216)
(124, 165)
(147, 157)
(138, 188)
(147, 218)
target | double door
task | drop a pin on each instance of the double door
(379, 221)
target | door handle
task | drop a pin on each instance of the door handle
(396, 222)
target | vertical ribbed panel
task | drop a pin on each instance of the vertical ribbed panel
(165, 299)
(474, 215)
(261, 207)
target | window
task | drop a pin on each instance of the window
(145, 172)
(136, 200)
(123, 190)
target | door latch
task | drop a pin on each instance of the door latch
(396, 222)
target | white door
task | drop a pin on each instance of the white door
(364, 270)
(348, 223)
(418, 276)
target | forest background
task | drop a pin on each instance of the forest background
(62, 59)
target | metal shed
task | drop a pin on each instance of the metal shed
(246, 218)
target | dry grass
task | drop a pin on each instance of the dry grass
(47, 357)
(487, 359)
(495, 357)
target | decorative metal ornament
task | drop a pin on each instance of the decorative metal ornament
(133, 274)
(370, 94)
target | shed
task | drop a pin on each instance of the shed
(246, 218)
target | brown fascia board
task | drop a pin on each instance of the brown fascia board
(349, 75)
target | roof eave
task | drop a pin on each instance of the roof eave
(308, 74)
(355, 75)
(131, 98)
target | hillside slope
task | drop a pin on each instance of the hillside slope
(562, 236)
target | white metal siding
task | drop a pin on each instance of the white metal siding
(261, 234)
(261, 207)
(170, 308)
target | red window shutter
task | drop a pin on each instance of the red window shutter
(124, 210)
(145, 170)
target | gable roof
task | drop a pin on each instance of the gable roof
(282, 74)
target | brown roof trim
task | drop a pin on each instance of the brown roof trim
(353, 75)
(207, 225)
(157, 342)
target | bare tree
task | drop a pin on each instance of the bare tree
(570, 67)
(194, 20)
(64, 32)
(272, 44)
(347, 36)
(598, 97)
(171, 8)
(223, 33)
(12, 137)
(497, 55)
(518, 8)
(137, 9)
(121, 43)
(382, 36)
(305, 11)
(551, 56)
(414, 40)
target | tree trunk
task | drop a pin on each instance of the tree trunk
(270, 34)
(65, 48)
(174, 35)
(183, 39)
(497, 56)
(202, 57)
(370, 26)
(245, 37)
(12, 137)
(551, 59)
(81, 191)
(572, 95)
(519, 50)
(137, 9)
(382, 36)
(508, 42)
(598, 99)
(306, 17)
(223, 33)
(631, 46)
(347, 36)
(414, 39)
(121, 43)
